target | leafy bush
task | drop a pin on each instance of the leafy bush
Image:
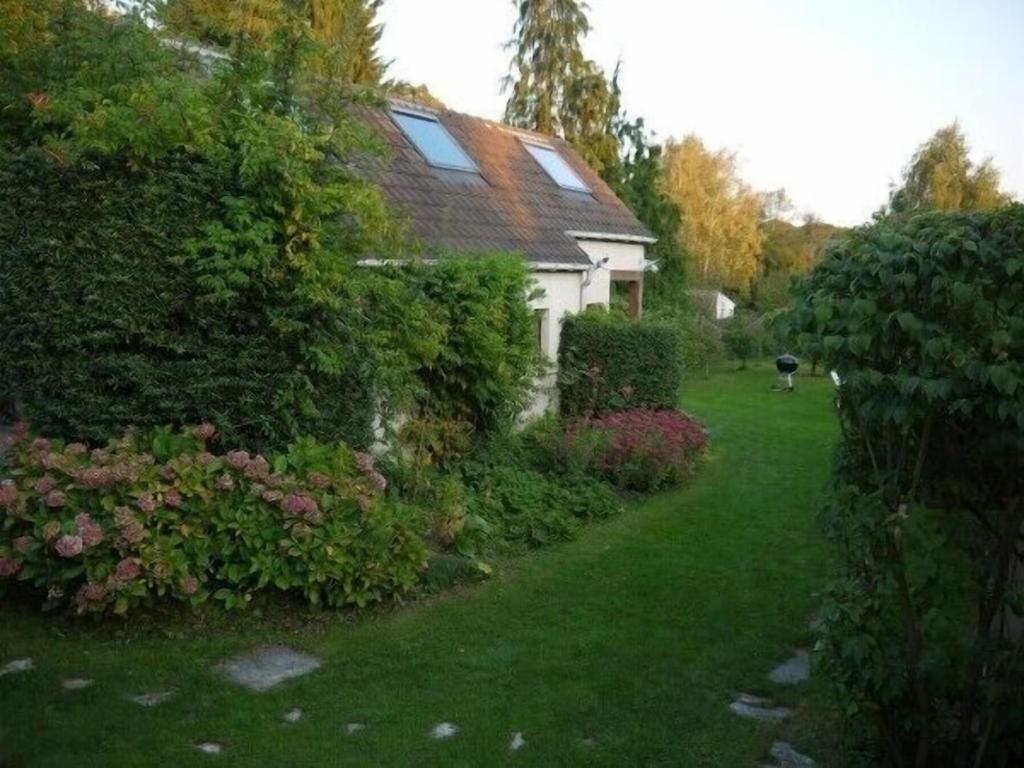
(181, 246)
(743, 337)
(924, 321)
(607, 363)
(141, 519)
(487, 361)
(645, 450)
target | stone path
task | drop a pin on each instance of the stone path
(785, 756)
(151, 699)
(16, 666)
(443, 731)
(209, 747)
(292, 716)
(795, 669)
(263, 668)
(758, 708)
(517, 742)
(76, 683)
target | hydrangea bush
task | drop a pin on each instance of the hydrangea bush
(114, 527)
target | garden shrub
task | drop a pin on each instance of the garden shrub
(607, 362)
(162, 517)
(645, 450)
(923, 319)
(743, 337)
(487, 361)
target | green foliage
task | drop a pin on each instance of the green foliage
(607, 362)
(183, 247)
(487, 359)
(924, 321)
(743, 337)
(159, 517)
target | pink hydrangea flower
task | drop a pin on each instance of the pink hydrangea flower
(272, 495)
(379, 481)
(99, 456)
(69, 546)
(45, 484)
(258, 468)
(40, 446)
(9, 567)
(91, 532)
(127, 570)
(206, 432)
(173, 498)
(167, 473)
(75, 449)
(319, 480)
(91, 593)
(55, 499)
(51, 530)
(365, 462)
(23, 544)
(275, 480)
(147, 503)
(189, 584)
(238, 459)
(8, 494)
(96, 477)
(225, 482)
(302, 504)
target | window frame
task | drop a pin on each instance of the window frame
(530, 144)
(432, 118)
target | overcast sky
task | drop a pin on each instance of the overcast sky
(827, 98)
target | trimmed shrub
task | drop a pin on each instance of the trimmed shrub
(140, 519)
(608, 363)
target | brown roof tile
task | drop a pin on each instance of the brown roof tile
(512, 204)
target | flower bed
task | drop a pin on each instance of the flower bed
(115, 527)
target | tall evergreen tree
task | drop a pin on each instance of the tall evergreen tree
(553, 88)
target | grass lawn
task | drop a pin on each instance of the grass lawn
(621, 648)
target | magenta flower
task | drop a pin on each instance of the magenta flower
(9, 567)
(206, 432)
(173, 498)
(303, 504)
(23, 543)
(69, 546)
(55, 499)
(127, 570)
(147, 503)
(45, 484)
(8, 494)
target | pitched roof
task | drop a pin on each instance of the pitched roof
(511, 205)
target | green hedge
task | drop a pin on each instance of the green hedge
(607, 363)
(104, 322)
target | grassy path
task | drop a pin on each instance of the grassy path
(634, 636)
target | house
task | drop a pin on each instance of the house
(713, 304)
(465, 185)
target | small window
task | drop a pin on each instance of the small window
(560, 171)
(433, 141)
(540, 329)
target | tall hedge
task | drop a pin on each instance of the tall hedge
(103, 323)
(607, 362)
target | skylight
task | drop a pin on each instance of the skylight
(433, 141)
(560, 171)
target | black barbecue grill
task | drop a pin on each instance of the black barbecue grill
(786, 365)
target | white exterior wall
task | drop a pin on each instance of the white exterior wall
(565, 293)
(724, 307)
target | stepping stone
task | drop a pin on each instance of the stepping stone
(292, 716)
(16, 666)
(263, 668)
(76, 683)
(209, 747)
(756, 708)
(787, 757)
(351, 728)
(794, 670)
(443, 731)
(586, 741)
(151, 699)
(517, 743)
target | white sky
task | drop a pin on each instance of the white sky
(826, 98)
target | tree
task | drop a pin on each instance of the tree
(941, 176)
(554, 89)
(720, 215)
(346, 29)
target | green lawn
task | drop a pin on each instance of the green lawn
(634, 636)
